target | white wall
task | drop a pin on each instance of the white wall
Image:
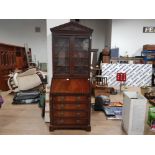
(99, 33)
(22, 31)
(49, 24)
(128, 35)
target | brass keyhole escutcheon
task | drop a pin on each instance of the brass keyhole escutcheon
(62, 98)
(77, 121)
(61, 121)
(62, 106)
(78, 100)
(78, 113)
(62, 113)
(78, 105)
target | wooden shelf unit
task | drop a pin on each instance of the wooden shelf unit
(11, 57)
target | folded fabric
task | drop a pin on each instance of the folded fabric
(112, 111)
(22, 95)
(28, 82)
(109, 111)
(30, 71)
(1, 101)
(26, 101)
(26, 97)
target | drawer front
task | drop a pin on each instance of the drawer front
(81, 114)
(70, 121)
(70, 106)
(71, 98)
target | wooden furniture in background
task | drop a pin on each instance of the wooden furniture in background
(21, 60)
(70, 87)
(11, 57)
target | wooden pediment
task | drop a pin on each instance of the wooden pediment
(71, 27)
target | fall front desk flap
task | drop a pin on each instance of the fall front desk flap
(74, 86)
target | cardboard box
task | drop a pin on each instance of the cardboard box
(145, 90)
(149, 47)
(106, 59)
(106, 52)
(149, 62)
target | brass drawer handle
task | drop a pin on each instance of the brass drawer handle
(62, 98)
(62, 106)
(77, 121)
(61, 121)
(78, 113)
(78, 105)
(62, 113)
(78, 98)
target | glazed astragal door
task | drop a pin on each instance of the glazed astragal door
(80, 57)
(61, 55)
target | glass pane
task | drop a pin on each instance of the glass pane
(61, 55)
(80, 61)
(81, 70)
(81, 47)
(1, 58)
(61, 47)
(13, 58)
(61, 70)
(81, 44)
(7, 59)
(4, 59)
(81, 56)
(61, 61)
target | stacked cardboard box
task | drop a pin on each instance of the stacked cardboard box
(149, 62)
(47, 109)
(106, 59)
(106, 51)
(149, 47)
(145, 90)
(106, 55)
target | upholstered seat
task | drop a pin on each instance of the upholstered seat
(25, 80)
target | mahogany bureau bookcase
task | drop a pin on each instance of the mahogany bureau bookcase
(70, 92)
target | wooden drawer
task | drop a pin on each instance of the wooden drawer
(70, 121)
(81, 114)
(70, 106)
(71, 98)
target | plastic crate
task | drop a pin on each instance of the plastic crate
(151, 115)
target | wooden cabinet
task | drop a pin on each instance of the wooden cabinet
(70, 87)
(11, 57)
(21, 59)
(71, 56)
(70, 104)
